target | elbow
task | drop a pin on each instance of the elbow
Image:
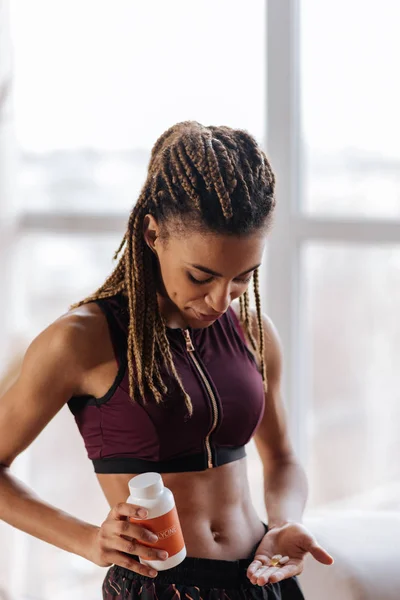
(281, 461)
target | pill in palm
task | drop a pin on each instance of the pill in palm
(274, 562)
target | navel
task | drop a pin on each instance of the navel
(216, 535)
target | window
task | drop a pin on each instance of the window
(352, 298)
(350, 100)
(104, 82)
(333, 254)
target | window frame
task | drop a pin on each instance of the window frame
(293, 227)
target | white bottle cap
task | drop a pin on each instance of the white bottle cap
(146, 485)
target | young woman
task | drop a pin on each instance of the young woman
(164, 373)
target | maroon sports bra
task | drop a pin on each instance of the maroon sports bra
(220, 375)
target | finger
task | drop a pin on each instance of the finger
(320, 554)
(256, 564)
(284, 573)
(124, 509)
(128, 529)
(262, 558)
(259, 559)
(262, 575)
(133, 547)
(127, 562)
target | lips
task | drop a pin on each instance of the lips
(208, 318)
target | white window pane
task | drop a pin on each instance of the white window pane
(350, 100)
(96, 181)
(97, 82)
(53, 271)
(59, 471)
(352, 300)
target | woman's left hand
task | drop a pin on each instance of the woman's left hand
(292, 540)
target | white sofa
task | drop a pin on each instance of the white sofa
(366, 549)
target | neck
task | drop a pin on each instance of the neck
(172, 316)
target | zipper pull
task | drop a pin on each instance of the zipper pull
(189, 344)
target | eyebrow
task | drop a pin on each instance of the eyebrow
(210, 272)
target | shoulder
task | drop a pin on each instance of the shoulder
(272, 342)
(79, 328)
(73, 342)
(84, 323)
(47, 376)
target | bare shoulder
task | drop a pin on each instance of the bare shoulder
(87, 316)
(76, 334)
(51, 372)
(83, 327)
(70, 346)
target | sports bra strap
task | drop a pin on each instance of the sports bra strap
(234, 318)
(238, 329)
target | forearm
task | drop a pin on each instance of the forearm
(286, 491)
(20, 508)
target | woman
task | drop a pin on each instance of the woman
(163, 373)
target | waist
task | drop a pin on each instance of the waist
(203, 572)
(214, 506)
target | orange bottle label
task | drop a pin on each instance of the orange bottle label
(168, 529)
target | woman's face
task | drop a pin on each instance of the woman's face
(202, 273)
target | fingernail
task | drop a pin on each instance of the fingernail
(153, 537)
(152, 573)
(143, 513)
(162, 554)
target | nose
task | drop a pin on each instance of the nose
(219, 299)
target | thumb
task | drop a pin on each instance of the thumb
(320, 554)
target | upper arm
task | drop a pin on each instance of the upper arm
(272, 435)
(49, 375)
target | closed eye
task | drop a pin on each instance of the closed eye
(204, 281)
(198, 281)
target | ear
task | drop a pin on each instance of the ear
(151, 232)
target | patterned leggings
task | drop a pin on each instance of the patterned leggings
(197, 579)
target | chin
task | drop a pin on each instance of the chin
(199, 323)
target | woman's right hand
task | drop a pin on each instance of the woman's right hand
(118, 538)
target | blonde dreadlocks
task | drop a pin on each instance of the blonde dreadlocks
(216, 178)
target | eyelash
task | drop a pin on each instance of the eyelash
(194, 280)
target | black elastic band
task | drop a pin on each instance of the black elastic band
(195, 462)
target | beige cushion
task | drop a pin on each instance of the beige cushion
(366, 549)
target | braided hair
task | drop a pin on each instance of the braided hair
(215, 178)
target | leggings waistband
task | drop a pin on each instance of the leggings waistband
(203, 572)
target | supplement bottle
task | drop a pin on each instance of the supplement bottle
(148, 490)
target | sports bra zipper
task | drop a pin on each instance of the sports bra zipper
(191, 349)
